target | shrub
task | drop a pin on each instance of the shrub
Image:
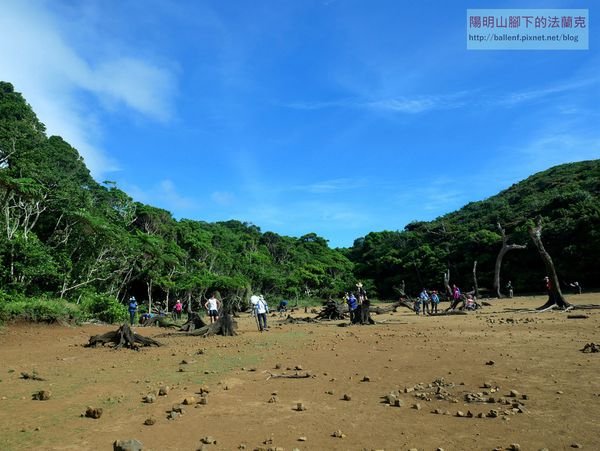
(37, 309)
(103, 307)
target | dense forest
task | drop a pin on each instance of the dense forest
(65, 236)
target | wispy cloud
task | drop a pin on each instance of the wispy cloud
(55, 78)
(330, 186)
(400, 104)
(165, 195)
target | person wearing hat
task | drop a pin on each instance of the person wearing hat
(262, 308)
(133, 306)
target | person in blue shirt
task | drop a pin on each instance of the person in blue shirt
(435, 301)
(424, 298)
(352, 305)
(133, 306)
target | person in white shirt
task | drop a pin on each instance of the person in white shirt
(262, 308)
(212, 306)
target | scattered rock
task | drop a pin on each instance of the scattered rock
(272, 399)
(34, 376)
(338, 434)
(577, 445)
(203, 400)
(300, 407)
(416, 406)
(490, 362)
(514, 394)
(150, 421)
(189, 401)
(302, 439)
(347, 397)
(128, 445)
(208, 440)
(366, 379)
(42, 395)
(164, 390)
(150, 398)
(94, 412)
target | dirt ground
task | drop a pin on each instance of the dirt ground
(482, 355)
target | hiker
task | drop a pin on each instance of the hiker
(470, 303)
(282, 308)
(456, 297)
(212, 306)
(424, 297)
(435, 300)
(509, 288)
(133, 306)
(177, 309)
(363, 301)
(262, 308)
(576, 287)
(548, 284)
(352, 306)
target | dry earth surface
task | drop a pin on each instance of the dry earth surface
(430, 364)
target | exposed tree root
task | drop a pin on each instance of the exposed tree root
(124, 336)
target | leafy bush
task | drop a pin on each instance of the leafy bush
(37, 309)
(104, 307)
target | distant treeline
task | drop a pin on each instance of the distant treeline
(64, 235)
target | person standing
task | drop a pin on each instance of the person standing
(364, 303)
(133, 306)
(212, 306)
(424, 296)
(178, 308)
(352, 305)
(509, 288)
(262, 308)
(435, 300)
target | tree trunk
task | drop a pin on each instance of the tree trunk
(447, 282)
(555, 296)
(225, 326)
(505, 248)
(475, 278)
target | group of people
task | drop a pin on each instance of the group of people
(427, 302)
(358, 305)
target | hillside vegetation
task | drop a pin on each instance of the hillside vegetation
(65, 236)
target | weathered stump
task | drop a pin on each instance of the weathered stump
(124, 336)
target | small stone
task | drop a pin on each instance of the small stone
(93, 412)
(164, 390)
(203, 401)
(189, 401)
(577, 445)
(347, 397)
(490, 362)
(391, 398)
(559, 392)
(150, 398)
(408, 389)
(150, 421)
(302, 439)
(298, 368)
(416, 406)
(208, 440)
(128, 445)
(438, 411)
(338, 434)
(366, 379)
(514, 447)
(514, 394)
(398, 403)
(42, 395)
(278, 366)
(300, 407)
(272, 399)
(487, 385)
(460, 414)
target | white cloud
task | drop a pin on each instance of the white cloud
(223, 198)
(54, 77)
(164, 194)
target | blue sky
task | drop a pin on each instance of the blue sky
(339, 117)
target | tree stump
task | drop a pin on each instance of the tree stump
(194, 322)
(225, 326)
(124, 336)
